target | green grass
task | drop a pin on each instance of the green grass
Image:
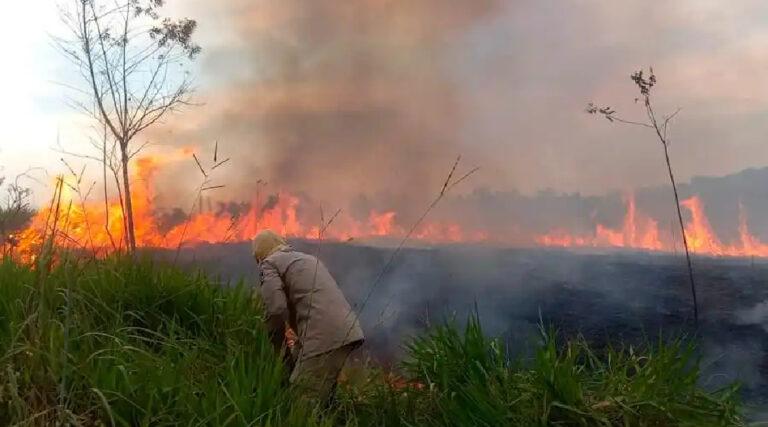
(118, 342)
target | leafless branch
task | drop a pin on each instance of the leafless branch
(450, 175)
(138, 150)
(667, 120)
(79, 155)
(127, 67)
(219, 164)
(463, 177)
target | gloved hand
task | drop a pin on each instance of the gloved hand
(289, 356)
(290, 338)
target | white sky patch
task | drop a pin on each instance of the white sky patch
(33, 110)
(37, 87)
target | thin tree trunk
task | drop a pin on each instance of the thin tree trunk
(665, 144)
(106, 194)
(128, 202)
(685, 239)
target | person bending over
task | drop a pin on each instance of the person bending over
(298, 290)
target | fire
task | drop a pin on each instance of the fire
(92, 226)
(97, 227)
(702, 239)
(636, 232)
(640, 232)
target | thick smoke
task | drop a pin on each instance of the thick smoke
(335, 98)
(341, 97)
(364, 105)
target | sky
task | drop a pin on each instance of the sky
(30, 113)
(334, 99)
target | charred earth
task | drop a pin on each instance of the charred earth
(609, 298)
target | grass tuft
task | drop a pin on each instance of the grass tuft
(118, 342)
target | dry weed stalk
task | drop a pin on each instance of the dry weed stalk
(659, 127)
(448, 185)
(205, 185)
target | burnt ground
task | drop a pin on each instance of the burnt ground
(611, 297)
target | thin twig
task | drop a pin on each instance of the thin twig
(667, 119)
(320, 233)
(186, 225)
(199, 165)
(450, 175)
(388, 264)
(219, 164)
(630, 122)
(465, 176)
(204, 186)
(330, 221)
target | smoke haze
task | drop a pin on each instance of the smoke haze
(336, 99)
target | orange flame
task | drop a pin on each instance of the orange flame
(91, 226)
(699, 233)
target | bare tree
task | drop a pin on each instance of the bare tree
(132, 60)
(659, 126)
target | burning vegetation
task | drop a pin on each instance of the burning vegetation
(107, 338)
(87, 224)
(642, 232)
(99, 228)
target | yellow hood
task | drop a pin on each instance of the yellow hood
(266, 242)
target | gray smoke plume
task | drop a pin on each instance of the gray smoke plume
(364, 105)
(335, 98)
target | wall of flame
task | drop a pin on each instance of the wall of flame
(97, 227)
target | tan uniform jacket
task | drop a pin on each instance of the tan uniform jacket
(299, 287)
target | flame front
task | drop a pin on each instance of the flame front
(98, 227)
(631, 235)
(640, 232)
